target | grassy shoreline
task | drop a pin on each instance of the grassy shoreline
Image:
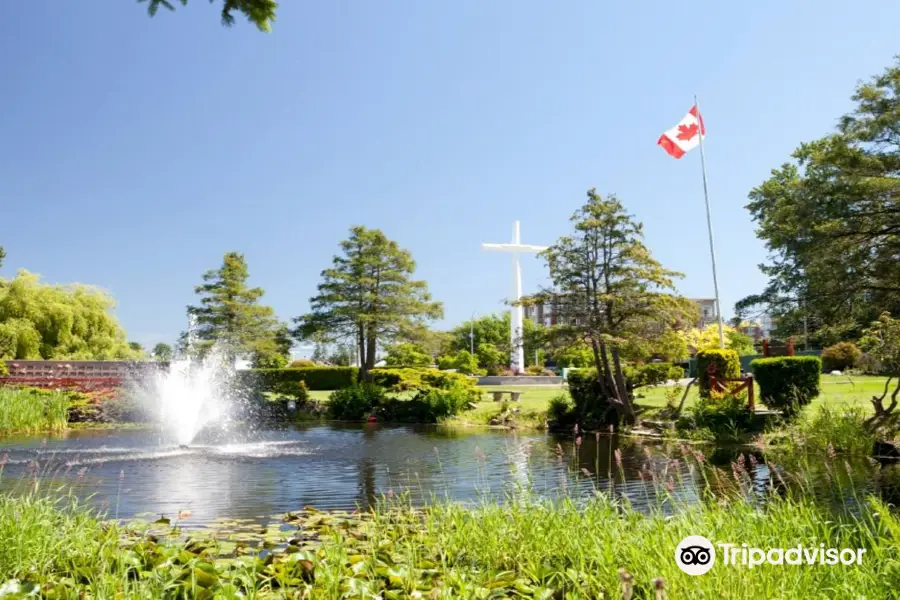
(522, 549)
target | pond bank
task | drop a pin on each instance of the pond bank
(524, 549)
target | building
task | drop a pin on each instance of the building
(708, 313)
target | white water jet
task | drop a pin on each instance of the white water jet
(191, 395)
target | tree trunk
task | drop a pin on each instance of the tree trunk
(627, 404)
(371, 346)
(361, 350)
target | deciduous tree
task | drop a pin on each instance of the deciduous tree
(831, 223)
(42, 321)
(259, 12)
(162, 352)
(407, 355)
(368, 296)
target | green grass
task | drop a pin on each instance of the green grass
(836, 391)
(32, 411)
(522, 549)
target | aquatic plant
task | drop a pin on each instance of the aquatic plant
(29, 410)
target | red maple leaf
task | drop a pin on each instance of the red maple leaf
(686, 132)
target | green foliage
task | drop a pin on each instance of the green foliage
(316, 378)
(882, 343)
(739, 342)
(722, 417)
(728, 366)
(522, 548)
(829, 221)
(368, 296)
(561, 410)
(490, 358)
(405, 380)
(42, 321)
(267, 360)
(301, 363)
(356, 402)
(651, 374)
(787, 382)
(407, 355)
(162, 352)
(576, 356)
(4, 370)
(462, 361)
(608, 288)
(840, 356)
(430, 405)
(230, 314)
(708, 339)
(259, 12)
(831, 429)
(29, 410)
(592, 405)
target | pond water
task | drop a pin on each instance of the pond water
(255, 474)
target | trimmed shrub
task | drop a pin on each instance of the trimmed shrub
(840, 356)
(728, 366)
(787, 382)
(285, 380)
(725, 417)
(354, 403)
(301, 363)
(651, 374)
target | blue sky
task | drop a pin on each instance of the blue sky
(134, 152)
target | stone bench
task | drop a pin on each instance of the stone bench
(498, 395)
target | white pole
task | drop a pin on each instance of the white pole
(712, 250)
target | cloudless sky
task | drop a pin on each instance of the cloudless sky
(134, 152)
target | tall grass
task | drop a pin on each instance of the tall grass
(526, 548)
(32, 410)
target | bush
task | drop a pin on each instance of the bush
(787, 382)
(841, 356)
(869, 365)
(728, 366)
(463, 361)
(354, 403)
(428, 406)
(538, 370)
(591, 406)
(285, 380)
(724, 417)
(651, 374)
(301, 363)
(561, 410)
(4, 371)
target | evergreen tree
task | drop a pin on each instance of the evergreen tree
(259, 12)
(230, 314)
(608, 288)
(368, 297)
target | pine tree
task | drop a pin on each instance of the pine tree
(609, 291)
(230, 313)
(368, 296)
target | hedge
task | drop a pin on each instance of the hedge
(787, 382)
(316, 378)
(728, 366)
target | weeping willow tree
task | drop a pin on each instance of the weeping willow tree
(43, 321)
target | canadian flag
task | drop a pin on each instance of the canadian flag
(685, 136)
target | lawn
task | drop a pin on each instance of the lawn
(836, 391)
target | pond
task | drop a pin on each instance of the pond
(255, 474)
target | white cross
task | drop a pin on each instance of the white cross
(517, 354)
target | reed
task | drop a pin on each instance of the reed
(32, 410)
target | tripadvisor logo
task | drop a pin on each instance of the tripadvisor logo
(696, 555)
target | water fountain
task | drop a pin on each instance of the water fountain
(192, 393)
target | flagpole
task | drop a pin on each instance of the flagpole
(712, 250)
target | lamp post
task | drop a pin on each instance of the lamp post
(472, 334)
